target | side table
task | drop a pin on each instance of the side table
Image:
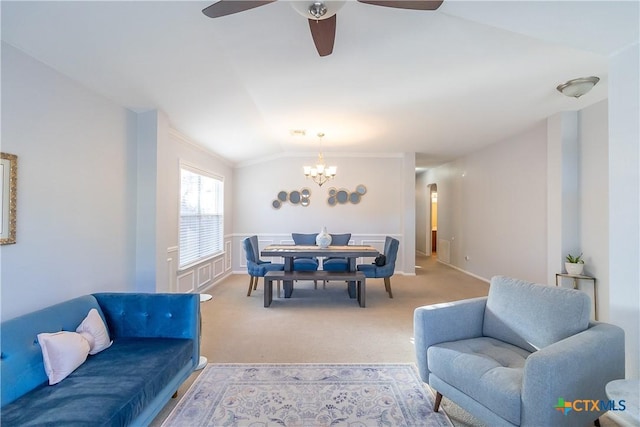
(578, 277)
(629, 391)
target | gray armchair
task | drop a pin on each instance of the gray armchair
(510, 357)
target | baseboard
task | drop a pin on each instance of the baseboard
(468, 273)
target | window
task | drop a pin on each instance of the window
(201, 215)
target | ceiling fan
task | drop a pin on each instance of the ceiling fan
(321, 14)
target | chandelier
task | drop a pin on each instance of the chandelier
(320, 173)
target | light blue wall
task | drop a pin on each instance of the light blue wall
(75, 222)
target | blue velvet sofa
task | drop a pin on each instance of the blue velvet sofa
(516, 357)
(155, 348)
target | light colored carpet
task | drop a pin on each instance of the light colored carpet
(325, 326)
(307, 395)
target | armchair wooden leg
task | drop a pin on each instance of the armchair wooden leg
(175, 395)
(387, 286)
(436, 406)
(251, 285)
(255, 284)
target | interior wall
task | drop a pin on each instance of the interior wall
(492, 208)
(379, 213)
(75, 162)
(593, 207)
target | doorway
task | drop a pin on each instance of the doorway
(433, 215)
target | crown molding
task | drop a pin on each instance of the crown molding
(186, 140)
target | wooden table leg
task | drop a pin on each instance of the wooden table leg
(362, 291)
(268, 292)
(287, 285)
(351, 287)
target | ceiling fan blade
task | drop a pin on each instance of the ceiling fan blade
(408, 4)
(324, 33)
(228, 7)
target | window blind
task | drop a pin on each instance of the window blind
(201, 216)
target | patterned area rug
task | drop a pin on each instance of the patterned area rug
(307, 395)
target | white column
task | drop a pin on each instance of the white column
(624, 200)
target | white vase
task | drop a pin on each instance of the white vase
(323, 239)
(574, 269)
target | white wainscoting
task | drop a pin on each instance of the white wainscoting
(186, 282)
(227, 255)
(204, 274)
(198, 277)
(172, 267)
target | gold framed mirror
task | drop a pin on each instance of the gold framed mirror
(8, 187)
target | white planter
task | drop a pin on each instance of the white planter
(575, 269)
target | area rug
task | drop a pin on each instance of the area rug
(307, 395)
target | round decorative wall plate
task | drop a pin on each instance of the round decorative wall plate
(342, 196)
(294, 197)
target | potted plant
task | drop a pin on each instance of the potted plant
(574, 264)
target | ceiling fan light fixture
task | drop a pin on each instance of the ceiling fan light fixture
(317, 9)
(577, 87)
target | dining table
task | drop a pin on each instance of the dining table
(289, 252)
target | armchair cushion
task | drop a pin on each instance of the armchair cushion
(531, 316)
(487, 370)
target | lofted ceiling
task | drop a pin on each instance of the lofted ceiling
(439, 83)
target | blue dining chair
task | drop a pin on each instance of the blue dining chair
(302, 263)
(305, 263)
(337, 263)
(255, 266)
(385, 271)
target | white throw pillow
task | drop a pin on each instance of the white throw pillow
(95, 331)
(62, 353)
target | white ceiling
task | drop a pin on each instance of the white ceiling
(440, 83)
